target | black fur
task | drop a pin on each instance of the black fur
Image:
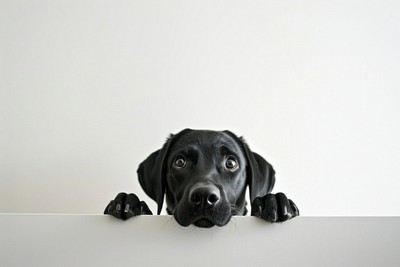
(203, 176)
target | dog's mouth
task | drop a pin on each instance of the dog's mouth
(201, 220)
(204, 223)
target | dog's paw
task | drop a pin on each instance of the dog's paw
(125, 206)
(274, 208)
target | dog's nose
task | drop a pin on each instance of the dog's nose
(204, 196)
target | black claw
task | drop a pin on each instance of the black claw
(107, 209)
(257, 207)
(127, 207)
(144, 209)
(130, 214)
(272, 217)
(271, 208)
(294, 208)
(284, 209)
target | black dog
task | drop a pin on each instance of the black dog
(203, 175)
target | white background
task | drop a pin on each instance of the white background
(90, 88)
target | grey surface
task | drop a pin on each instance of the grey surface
(96, 240)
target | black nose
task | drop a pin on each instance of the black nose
(204, 196)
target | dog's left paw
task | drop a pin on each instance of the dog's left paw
(274, 208)
(126, 206)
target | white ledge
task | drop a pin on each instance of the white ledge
(99, 240)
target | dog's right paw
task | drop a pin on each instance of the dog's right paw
(125, 206)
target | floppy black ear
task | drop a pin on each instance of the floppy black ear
(152, 172)
(260, 174)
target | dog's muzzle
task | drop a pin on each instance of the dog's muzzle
(204, 206)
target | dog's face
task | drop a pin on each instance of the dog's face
(203, 176)
(205, 179)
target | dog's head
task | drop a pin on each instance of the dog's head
(203, 175)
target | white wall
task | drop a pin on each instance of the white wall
(91, 88)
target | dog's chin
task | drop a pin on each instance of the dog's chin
(186, 215)
(203, 223)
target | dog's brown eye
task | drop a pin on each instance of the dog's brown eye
(231, 163)
(180, 162)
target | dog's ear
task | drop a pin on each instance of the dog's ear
(151, 175)
(152, 171)
(260, 174)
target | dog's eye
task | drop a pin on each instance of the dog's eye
(180, 162)
(231, 163)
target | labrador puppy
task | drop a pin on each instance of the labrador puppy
(203, 176)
